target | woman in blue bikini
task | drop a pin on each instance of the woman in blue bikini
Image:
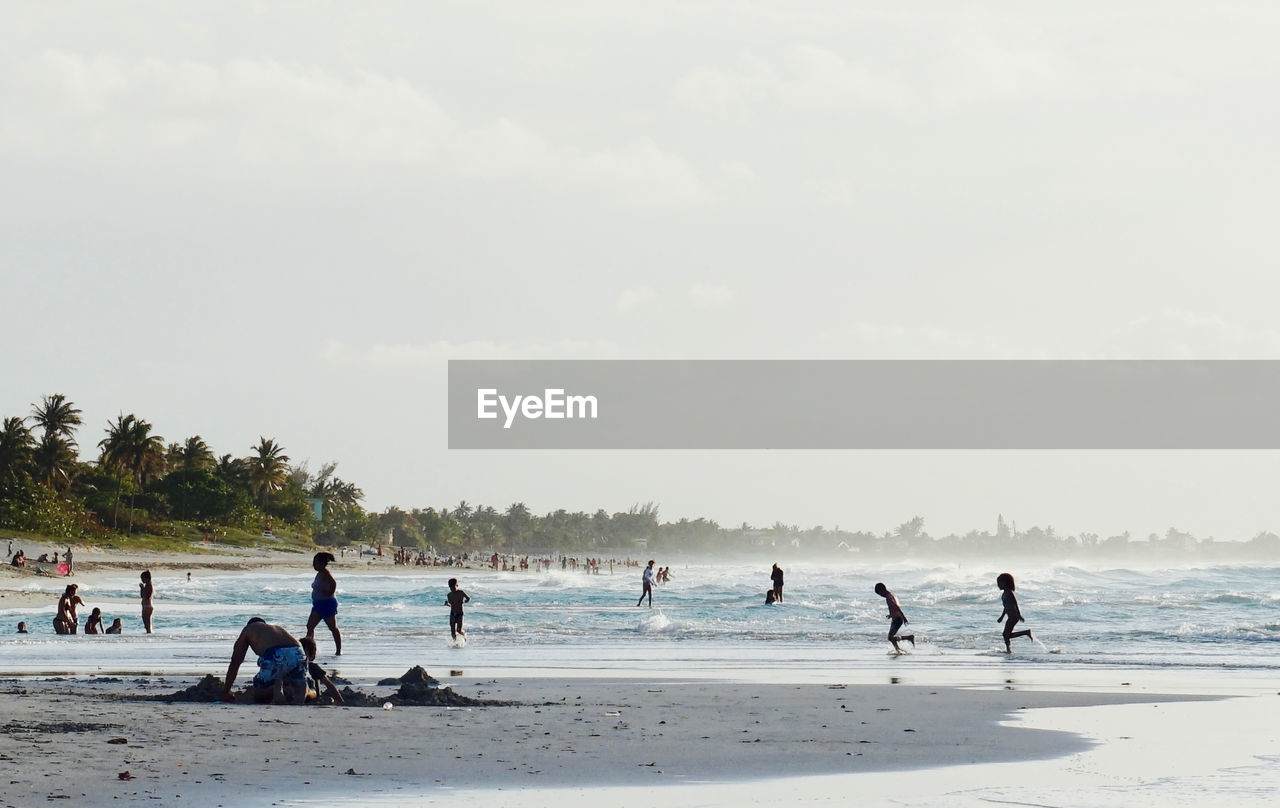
(324, 601)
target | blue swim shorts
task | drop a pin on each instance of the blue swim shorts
(281, 663)
(327, 607)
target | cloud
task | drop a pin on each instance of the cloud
(417, 355)
(1180, 334)
(263, 115)
(806, 77)
(634, 298)
(710, 296)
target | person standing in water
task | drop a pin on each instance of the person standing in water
(1005, 581)
(324, 600)
(896, 617)
(454, 600)
(776, 577)
(646, 584)
(147, 592)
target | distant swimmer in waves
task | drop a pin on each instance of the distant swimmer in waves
(896, 617)
(1005, 581)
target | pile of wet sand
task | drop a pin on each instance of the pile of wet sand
(417, 689)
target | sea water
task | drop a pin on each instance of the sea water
(710, 618)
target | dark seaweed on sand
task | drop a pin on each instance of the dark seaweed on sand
(417, 689)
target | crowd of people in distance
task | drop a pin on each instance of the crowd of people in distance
(64, 565)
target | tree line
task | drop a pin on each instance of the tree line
(138, 483)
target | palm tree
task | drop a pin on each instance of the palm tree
(173, 455)
(231, 468)
(268, 469)
(130, 448)
(195, 454)
(55, 454)
(54, 459)
(463, 511)
(57, 416)
(16, 448)
(345, 494)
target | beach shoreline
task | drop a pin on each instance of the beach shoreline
(631, 732)
(596, 721)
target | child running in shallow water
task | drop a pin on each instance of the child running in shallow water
(454, 600)
(1005, 581)
(897, 618)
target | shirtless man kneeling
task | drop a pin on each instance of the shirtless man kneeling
(282, 666)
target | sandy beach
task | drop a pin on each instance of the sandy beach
(63, 738)
(805, 735)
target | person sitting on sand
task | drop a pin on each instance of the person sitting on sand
(94, 624)
(115, 628)
(146, 591)
(1005, 581)
(22, 627)
(317, 675)
(896, 617)
(454, 600)
(282, 665)
(324, 601)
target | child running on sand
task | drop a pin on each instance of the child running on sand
(897, 618)
(1005, 581)
(454, 600)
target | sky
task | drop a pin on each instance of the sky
(245, 219)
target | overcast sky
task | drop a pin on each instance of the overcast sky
(281, 219)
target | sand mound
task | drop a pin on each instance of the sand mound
(417, 689)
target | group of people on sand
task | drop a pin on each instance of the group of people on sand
(19, 560)
(66, 618)
(287, 670)
(1011, 615)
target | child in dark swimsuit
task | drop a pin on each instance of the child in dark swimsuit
(455, 599)
(316, 675)
(897, 618)
(1011, 610)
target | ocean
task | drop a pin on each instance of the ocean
(710, 619)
